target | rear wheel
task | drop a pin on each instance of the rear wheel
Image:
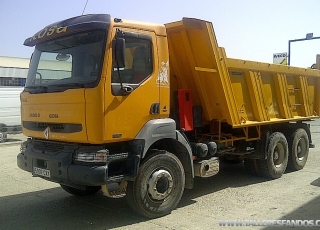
(298, 149)
(158, 187)
(86, 191)
(277, 157)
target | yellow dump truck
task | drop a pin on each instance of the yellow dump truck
(140, 109)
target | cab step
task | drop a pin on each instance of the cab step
(115, 190)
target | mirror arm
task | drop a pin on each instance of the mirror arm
(118, 69)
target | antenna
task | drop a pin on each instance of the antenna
(85, 7)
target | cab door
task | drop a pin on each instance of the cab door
(132, 92)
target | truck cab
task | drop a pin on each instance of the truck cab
(96, 103)
(73, 69)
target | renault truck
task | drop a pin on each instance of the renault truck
(140, 109)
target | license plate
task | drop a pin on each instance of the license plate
(41, 172)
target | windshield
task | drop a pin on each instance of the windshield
(68, 62)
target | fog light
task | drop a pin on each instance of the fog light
(95, 157)
(23, 147)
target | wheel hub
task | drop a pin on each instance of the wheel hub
(301, 149)
(160, 184)
(278, 155)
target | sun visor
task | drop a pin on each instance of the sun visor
(70, 26)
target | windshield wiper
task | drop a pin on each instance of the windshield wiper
(42, 89)
(78, 85)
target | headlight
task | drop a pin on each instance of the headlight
(92, 157)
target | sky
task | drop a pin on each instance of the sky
(248, 29)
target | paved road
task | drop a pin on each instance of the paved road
(28, 202)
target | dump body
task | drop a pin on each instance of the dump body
(241, 93)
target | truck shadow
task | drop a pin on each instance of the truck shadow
(298, 218)
(229, 176)
(54, 208)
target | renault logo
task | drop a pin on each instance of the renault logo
(46, 132)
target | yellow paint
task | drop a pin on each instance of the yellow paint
(239, 92)
(68, 105)
(124, 116)
(205, 69)
(244, 94)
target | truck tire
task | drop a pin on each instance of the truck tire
(88, 190)
(277, 157)
(298, 149)
(158, 187)
(3, 136)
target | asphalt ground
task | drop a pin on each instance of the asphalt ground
(28, 202)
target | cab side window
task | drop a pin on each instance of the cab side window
(138, 66)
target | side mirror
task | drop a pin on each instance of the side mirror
(119, 52)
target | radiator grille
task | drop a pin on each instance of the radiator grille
(54, 127)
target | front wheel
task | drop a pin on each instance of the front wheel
(158, 187)
(86, 191)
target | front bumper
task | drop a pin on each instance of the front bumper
(57, 159)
